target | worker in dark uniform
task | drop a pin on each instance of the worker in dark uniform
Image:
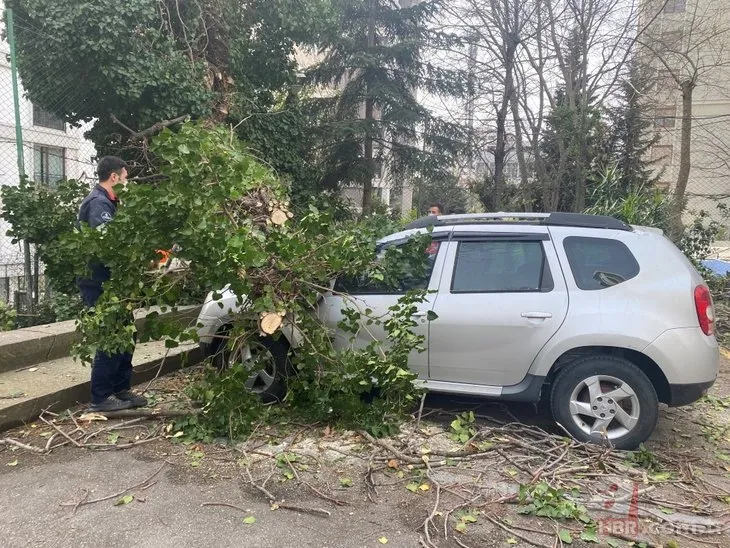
(111, 374)
(435, 209)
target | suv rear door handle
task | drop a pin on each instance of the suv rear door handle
(537, 315)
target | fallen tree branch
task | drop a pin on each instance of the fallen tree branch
(16, 443)
(60, 431)
(280, 504)
(629, 538)
(149, 413)
(515, 533)
(225, 504)
(336, 502)
(388, 447)
(136, 136)
(142, 485)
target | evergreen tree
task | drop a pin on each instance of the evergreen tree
(632, 134)
(573, 149)
(372, 123)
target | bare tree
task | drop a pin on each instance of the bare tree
(688, 50)
(526, 57)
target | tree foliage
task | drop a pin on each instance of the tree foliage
(445, 191)
(632, 133)
(229, 217)
(41, 215)
(373, 122)
(144, 61)
(574, 133)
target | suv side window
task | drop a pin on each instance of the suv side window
(498, 266)
(364, 285)
(598, 263)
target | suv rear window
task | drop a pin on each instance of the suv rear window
(501, 267)
(598, 263)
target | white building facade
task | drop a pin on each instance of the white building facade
(52, 151)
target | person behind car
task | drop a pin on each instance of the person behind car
(435, 209)
(111, 374)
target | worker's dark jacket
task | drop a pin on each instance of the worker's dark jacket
(97, 209)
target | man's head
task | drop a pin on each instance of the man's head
(112, 170)
(436, 209)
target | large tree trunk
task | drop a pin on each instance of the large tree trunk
(676, 227)
(520, 149)
(500, 153)
(367, 187)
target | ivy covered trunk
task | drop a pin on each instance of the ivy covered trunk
(685, 162)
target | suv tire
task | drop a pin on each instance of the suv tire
(605, 400)
(271, 383)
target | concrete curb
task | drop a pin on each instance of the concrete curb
(58, 400)
(32, 345)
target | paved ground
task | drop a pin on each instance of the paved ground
(685, 474)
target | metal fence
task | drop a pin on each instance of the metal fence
(37, 144)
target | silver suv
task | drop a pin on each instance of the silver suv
(599, 319)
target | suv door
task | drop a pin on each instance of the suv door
(363, 294)
(502, 296)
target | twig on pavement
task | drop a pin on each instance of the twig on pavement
(115, 495)
(16, 443)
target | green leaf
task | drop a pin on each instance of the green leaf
(589, 535)
(431, 315)
(12, 463)
(612, 543)
(660, 476)
(667, 511)
(511, 540)
(345, 482)
(461, 527)
(413, 486)
(565, 536)
(112, 437)
(249, 520)
(124, 500)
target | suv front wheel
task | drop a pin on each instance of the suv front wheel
(267, 358)
(604, 399)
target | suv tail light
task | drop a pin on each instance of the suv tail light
(705, 309)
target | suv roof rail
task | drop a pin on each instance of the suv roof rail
(548, 219)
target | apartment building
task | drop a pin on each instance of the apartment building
(52, 151)
(688, 41)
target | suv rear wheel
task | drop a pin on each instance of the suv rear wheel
(268, 360)
(607, 400)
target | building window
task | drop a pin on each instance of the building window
(664, 81)
(49, 164)
(675, 6)
(665, 117)
(662, 154)
(43, 118)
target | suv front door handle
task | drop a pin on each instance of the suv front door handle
(419, 314)
(537, 315)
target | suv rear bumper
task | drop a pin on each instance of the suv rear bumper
(689, 360)
(684, 394)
